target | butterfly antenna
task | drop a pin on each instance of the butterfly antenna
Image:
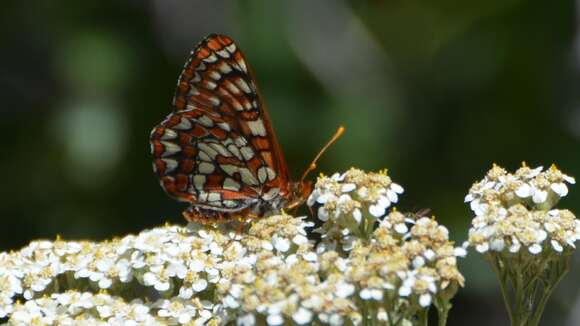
(312, 165)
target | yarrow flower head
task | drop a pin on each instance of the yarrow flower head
(523, 236)
(349, 204)
(514, 212)
(403, 261)
(533, 188)
(410, 272)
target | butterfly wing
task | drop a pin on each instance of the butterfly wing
(218, 150)
(199, 159)
(217, 77)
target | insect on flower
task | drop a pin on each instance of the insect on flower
(217, 150)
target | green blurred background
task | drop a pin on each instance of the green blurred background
(433, 90)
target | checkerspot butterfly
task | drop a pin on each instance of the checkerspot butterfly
(217, 150)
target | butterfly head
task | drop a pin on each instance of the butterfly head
(299, 193)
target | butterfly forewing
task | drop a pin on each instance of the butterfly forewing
(217, 150)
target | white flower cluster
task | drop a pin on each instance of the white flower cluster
(409, 269)
(353, 191)
(349, 204)
(169, 260)
(174, 268)
(271, 274)
(281, 285)
(76, 308)
(404, 261)
(281, 290)
(534, 188)
(514, 211)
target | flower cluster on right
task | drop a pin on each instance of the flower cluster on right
(527, 241)
(516, 212)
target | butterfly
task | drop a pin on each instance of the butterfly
(217, 150)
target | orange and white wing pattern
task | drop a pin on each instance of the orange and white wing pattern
(217, 149)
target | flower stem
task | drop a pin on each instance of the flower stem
(503, 282)
(423, 317)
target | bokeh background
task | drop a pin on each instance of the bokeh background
(435, 91)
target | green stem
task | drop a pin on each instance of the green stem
(423, 317)
(442, 315)
(561, 272)
(503, 283)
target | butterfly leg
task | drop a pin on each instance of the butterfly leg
(204, 216)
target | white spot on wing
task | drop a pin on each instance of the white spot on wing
(262, 174)
(203, 156)
(237, 105)
(170, 148)
(224, 126)
(247, 153)
(231, 48)
(229, 169)
(248, 177)
(241, 141)
(205, 121)
(211, 58)
(184, 124)
(243, 85)
(230, 203)
(168, 134)
(224, 67)
(233, 88)
(214, 196)
(170, 165)
(200, 67)
(257, 127)
(206, 168)
(231, 184)
(215, 75)
(234, 150)
(207, 149)
(220, 149)
(199, 181)
(223, 53)
(248, 105)
(214, 100)
(192, 91)
(210, 85)
(242, 65)
(271, 174)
